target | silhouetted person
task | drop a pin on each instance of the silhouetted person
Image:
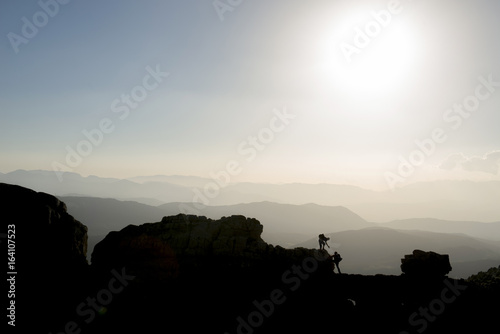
(323, 241)
(336, 260)
(329, 260)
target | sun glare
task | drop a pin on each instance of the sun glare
(377, 67)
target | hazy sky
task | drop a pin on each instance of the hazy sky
(271, 91)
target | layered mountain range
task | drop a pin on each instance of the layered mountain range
(446, 200)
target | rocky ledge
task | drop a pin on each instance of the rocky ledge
(181, 244)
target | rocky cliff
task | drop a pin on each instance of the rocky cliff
(42, 219)
(188, 265)
(179, 245)
(48, 251)
(185, 236)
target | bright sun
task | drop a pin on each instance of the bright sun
(378, 68)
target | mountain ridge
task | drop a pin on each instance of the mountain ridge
(448, 200)
(472, 228)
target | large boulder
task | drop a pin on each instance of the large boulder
(185, 242)
(425, 264)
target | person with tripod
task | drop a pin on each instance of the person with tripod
(323, 241)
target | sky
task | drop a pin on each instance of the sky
(378, 94)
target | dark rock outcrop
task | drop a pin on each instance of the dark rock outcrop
(49, 254)
(179, 245)
(222, 272)
(187, 236)
(426, 264)
(42, 219)
(489, 279)
(214, 269)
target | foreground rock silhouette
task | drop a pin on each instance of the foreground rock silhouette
(193, 274)
(184, 243)
(49, 256)
(426, 264)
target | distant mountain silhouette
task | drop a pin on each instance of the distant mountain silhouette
(93, 186)
(489, 231)
(180, 180)
(104, 215)
(447, 200)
